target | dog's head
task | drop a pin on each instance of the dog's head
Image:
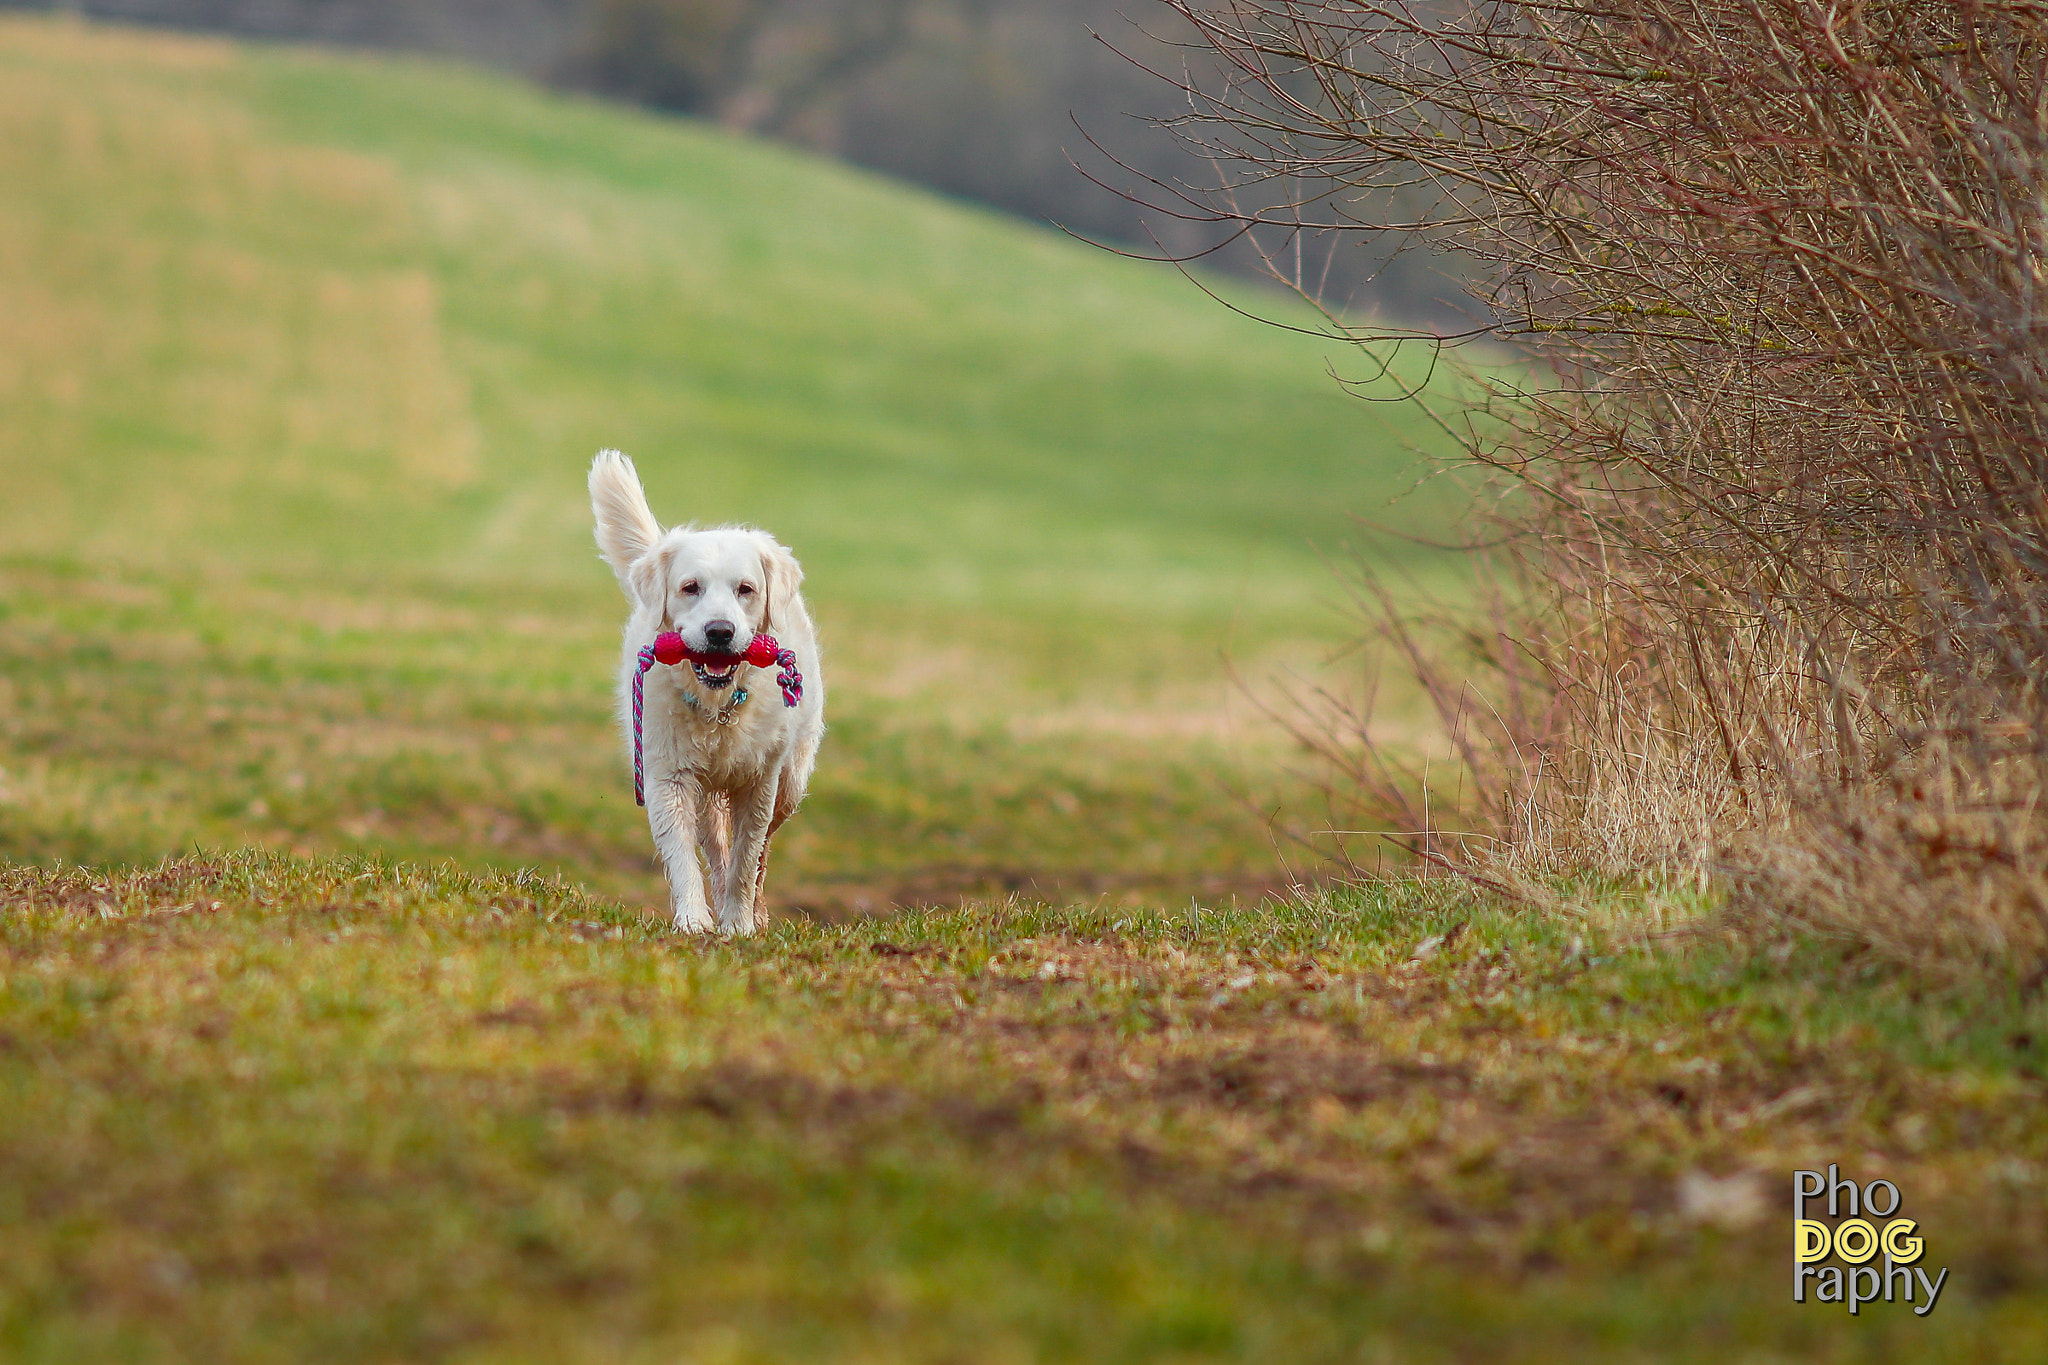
(718, 589)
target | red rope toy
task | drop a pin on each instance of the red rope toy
(668, 648)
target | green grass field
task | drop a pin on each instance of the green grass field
(302, 359)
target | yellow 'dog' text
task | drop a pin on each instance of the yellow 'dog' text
(1855, 1240)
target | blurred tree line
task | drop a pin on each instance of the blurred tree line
(996, 101)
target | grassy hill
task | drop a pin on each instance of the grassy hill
(302, 358)
(271, 307)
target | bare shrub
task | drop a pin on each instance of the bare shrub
(1777, 600)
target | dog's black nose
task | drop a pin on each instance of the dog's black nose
(718, 636)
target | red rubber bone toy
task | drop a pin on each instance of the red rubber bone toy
(668, 648)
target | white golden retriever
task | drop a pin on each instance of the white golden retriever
(726, 760)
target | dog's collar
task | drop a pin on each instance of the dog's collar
(723, 715)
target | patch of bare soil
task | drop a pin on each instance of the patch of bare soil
(1280, 1087)
(1009, 1116)
(840, 901)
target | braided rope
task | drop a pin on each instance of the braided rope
(788, 679)
(639, 683)
(668, 642)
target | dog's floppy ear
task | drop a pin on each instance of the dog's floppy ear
(647, 577)
(783, 575)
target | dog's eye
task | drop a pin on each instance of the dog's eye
(691, 589)
(745, 590)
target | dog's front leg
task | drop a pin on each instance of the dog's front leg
(714, 833)
(675, 808)
(741, 883)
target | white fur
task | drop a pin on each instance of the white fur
(722, 790)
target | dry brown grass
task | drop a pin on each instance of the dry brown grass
(1779, 515)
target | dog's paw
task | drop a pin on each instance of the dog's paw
(694, 922)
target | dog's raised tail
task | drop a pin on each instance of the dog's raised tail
(626, 529)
